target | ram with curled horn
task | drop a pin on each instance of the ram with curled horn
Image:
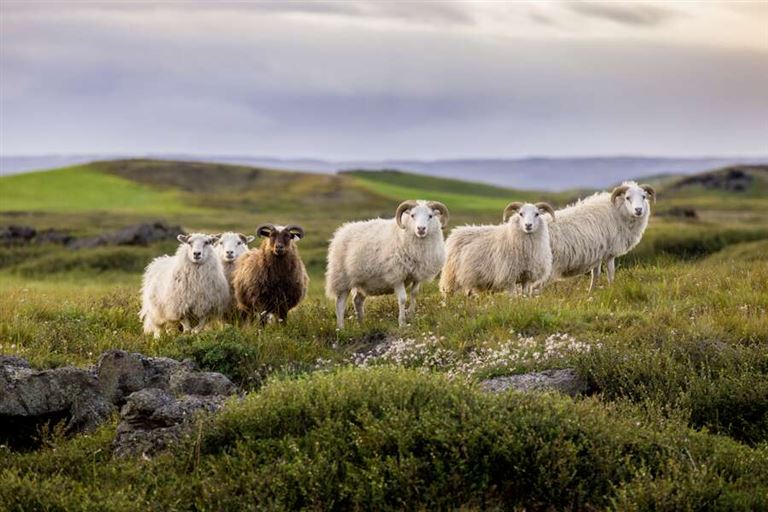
(383, 256)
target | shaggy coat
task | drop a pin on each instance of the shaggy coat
(598, 229)
(268, 283)
(497, 258)
(176, 290)
(229, 248)
(384, 256)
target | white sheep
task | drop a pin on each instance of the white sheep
(382, 256)
(188, 286)
(598, 229)
(229, 248)
(499, 257)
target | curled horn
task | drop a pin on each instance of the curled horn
(650, 190)
(265, 229)
(444, 215)
(618, 191)
(511, 207)
(296, 231)
(547, 208)
(405, 205)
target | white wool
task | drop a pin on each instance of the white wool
(176, 290)
(594, 230)
(374, 257)
(497, 257)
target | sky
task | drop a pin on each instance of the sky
(378, 80)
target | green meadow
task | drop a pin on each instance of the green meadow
(675, 354)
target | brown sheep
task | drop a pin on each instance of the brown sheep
(271, 280)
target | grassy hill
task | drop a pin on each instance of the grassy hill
(675, 353)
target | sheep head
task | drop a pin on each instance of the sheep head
(528, 216)
(199, 246)
(231, 245)
(633, 198)
(421, 216)
(279, 239)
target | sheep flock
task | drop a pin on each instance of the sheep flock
(218, 277)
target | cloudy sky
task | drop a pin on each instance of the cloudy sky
(365, 79)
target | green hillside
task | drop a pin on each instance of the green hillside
(84, 188)
(674, 355)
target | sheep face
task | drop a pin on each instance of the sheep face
(199, 246)
(279, 239)
(231, 245)
(528, 218)
(421, 218)
(632, 199)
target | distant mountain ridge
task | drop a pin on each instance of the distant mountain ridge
(534, 173)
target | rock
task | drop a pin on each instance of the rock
(13, 361)
(566, 381)
(153, 420)
(30, 398)
(54, 236)
(136, 234)
(14, 235)
(121, 373)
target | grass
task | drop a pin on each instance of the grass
(81, 188)
(675, 354)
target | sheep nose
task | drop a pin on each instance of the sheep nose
(638, 211)
(529, 226)
(197, 254)
(230, 253)
(421, 230)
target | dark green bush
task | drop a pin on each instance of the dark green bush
(105, 259)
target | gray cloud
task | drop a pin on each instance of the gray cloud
(635, 14)
(249, 82)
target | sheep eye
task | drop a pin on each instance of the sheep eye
(537, 214)
(431, 216)
(413, 216)
(520, 214)
(627, 198)
(645, 197)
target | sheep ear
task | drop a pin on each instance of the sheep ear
(401, 209)
(617, 192)
(650, 191)
(511, 208)
(183, 238)
(248, 239)
(215, 238)
(546, 208)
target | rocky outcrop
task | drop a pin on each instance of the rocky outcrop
(158, 396)
(136, 234)
(565, 381)
(152, 420)
(30, 399)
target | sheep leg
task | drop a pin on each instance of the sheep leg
(402, 297)
(359, 302)
(610, 268)
(341, 305)
(412, 305)
(200, 324)
(186, 326)
(595, 276)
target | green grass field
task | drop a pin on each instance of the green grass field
(675, 354)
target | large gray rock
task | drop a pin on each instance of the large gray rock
(121, 373)
(565, 381)
(152, 420)
(13, 361)
(136, 234)
(30, 398)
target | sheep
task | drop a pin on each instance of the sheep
(188, 286)
(230, 247)
(499, 257)
(271, 280)
(598, 229)
(382, 256)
